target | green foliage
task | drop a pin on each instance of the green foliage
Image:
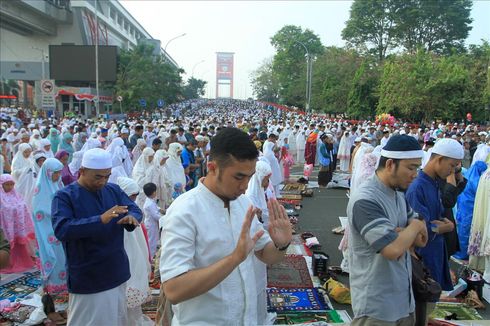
(265, 82)
(333, 72)
(363, 98)
(381, 25)
(423, 86)
(142, 75)
(372, 26)
(289, 62)
(195, 88)
(433, 76)
(437, 25)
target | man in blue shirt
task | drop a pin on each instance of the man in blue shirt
(89, 218)
(189, 161)
(424, 196)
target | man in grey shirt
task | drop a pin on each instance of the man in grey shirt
(382, 229)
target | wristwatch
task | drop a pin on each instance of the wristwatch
(282, 248)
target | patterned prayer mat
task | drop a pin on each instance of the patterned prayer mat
(290, 273)
(150, 307)
(21, 286)
(294, 300)
(462, 311)
(290, 318)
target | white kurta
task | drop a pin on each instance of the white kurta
(198, 232)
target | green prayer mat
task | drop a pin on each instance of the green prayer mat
(462, 311)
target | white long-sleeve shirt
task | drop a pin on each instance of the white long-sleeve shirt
(199, 231)
(152, 217)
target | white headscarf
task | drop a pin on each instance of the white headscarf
(162, 179)
(76, 162)
(143, 168)
(35, 142)
(138, 149)
(20, 164)
(276, 177)
(255, 192)
(128, 185)
(45, 142)
(174, 165)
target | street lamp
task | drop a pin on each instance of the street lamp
(194, 67)
(172, 40)
(309, 69)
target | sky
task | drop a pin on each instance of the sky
(245, 28)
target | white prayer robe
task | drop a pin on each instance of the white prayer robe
(197, 232)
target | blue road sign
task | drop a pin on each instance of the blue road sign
(143, 102)
(160, 103)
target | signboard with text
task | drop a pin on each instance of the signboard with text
(48, 94)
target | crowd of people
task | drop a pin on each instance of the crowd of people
(92, 203)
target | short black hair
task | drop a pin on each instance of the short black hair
(173, 131)
(181, 129)
(232, 143)
(156, 141)
(138, 128)
(149, 189)
(383, 160)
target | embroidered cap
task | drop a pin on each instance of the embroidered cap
(402, 147)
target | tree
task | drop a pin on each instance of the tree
(437, 25)
(423, 87)
(195, 88)
(141, 75)
(333, 72)
(289, 62)
(371, 25)
(363, 98)
(265, 83)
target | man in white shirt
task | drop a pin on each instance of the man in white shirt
(207, 268)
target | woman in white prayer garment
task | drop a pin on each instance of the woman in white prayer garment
(256, 192)
(144, 172)
(174, 166)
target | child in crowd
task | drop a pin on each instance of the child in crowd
(152, 216)
(188, 179)
(177, 190)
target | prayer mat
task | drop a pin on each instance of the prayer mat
(291, 197)
(292, 272)
(293, 188)
(462, 311)
(294, 300)
(290, 318)
(298, 247)
(21, 286)
(150, 307)
(289, 201)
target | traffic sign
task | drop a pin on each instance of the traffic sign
(119, 98)
(143, 102)
(160, 103)
(48, 94)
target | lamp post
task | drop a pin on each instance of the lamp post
(165, 49)
(309, 68)
(194, 67)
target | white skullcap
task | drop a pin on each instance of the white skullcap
(97, 159)
(124, 131)
(128, 185)
(449, 148)
(200, 138)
